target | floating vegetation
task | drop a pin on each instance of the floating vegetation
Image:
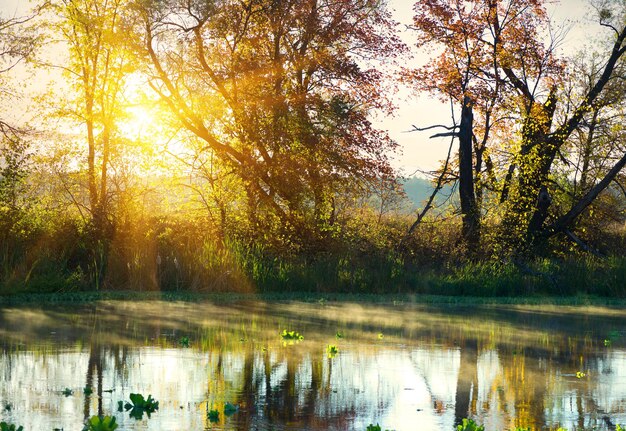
(140, 406)
(332, 350)
(10, 427)
(101, 423)
(291, 337)
(376, 427)
(67, 392)
(214, 416)
(381, 336)
(87, 390)
(607, 343)
(580, 374)
(339, 335)
(184, 341)
(469, 425)
(230, 409)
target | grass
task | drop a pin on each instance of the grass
(169, 258)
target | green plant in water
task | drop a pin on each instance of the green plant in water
(580, 374)
(87, 390)
(140, 405)
(339, 335)
(618, 427)
(230, 409)
(184, 341)
(381, 336)
(469, 425)
(332, 350)
(372, 427)
(101, 423)
(607, 343)
(214, 416)
(291, 336)
(67, 392)
(10, 427)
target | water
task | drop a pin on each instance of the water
(406, 367)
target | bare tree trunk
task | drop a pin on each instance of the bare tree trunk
(469, 210)
(564, 221)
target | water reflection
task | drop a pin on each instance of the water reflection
(505, 367)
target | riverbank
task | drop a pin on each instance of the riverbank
(322, 299)
(334, 275)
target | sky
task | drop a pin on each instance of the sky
(418, 153)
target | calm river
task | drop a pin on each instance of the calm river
(227, 367)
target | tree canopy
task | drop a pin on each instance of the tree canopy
(178, 139)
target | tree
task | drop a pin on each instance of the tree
(280, 92)
(493, 53)
(98, 36)
(486, 44)
(17, 43)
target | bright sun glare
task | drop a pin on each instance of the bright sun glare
(139, 123)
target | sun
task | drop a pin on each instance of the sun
(139, 123)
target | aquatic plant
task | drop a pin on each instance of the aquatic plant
(214, 416)
(469, 425)
(230, 409)
(291, 336)
(184, 341)
(87, 390)
(381, 336)
(580, 374)
(339, 335)
(332, 350)
(607, 343)
(67, 392)
(10, 427)
(141, 405)
(376, 427)
(100, 423)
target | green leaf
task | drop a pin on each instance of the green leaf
(230, 409)
(137, 399)
(214, 416)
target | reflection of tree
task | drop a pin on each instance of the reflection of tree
(467, 382)
(94, 366)
(317, 370)
(524, 387)
(247, 397)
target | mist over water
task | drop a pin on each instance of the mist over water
(403, 366)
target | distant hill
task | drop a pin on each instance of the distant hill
(418, 190)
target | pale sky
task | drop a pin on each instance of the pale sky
(417, 151)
